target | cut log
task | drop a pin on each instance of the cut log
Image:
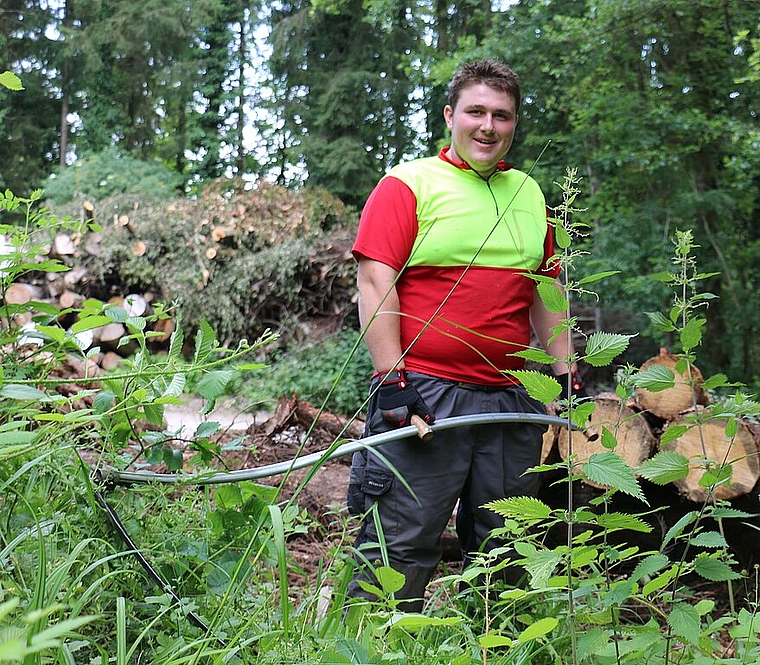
(124, 222)
(110, 333)
(634, 436)
(139, 248)
(220, 233)
(708, 445)
(669, 403)
(20, 293)
(110, 360)
(88, 210)
(69, 299)
(63, 245)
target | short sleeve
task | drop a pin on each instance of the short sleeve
(388, 224)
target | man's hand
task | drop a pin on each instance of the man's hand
(398, 400)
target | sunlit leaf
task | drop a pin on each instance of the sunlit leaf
(541, 387)
(609, 469)
(552, 297)
(665, 467)
(538, 629)
(684, 620)
(602, 348)
(655, 378)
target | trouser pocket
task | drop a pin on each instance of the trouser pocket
(364, 482)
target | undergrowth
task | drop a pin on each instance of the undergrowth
(217, 583)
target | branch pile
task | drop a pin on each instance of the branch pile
(244, 259)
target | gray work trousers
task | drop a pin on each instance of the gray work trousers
(472, 465)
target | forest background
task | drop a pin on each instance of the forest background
(654, 101)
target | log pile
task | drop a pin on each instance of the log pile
(245, 262)
(638, 425)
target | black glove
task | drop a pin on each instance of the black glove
(398, 400)
(576, 385)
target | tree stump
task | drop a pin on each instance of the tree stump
(667, 404)
(707, 445)
(635, 439)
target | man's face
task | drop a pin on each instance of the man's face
(482, 127)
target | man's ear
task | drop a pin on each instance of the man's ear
(448, 115)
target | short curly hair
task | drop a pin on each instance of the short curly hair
(493, 73)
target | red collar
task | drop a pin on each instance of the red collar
(444, 155)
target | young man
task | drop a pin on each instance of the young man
(443, 248)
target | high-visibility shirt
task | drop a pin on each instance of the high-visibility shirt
(463, 246)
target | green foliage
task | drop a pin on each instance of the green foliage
(333, 372)
(105, 174)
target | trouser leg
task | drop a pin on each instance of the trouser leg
(501, 456)
(413, 487)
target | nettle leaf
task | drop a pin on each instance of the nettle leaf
(598, 276)
(608, 440)
(684, 620)
(205, 342)
(591, 642)
(540, 386)
(553, 298)
(619, 521)
(562, 237)
(648, 566)
(677, 529)
(673, 432)
(213, 384)
(609, 469)
(541, 566)
(655, 378)
(715, 570)
(691, 334)
(717, 475)
(22, 392)
(661, 322)
(715, 381)
(665, 467)
(521, 508)
(709, 539)
(602, 348)
(537, 356)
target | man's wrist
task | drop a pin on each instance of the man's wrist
(397, 376)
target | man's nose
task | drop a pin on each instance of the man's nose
(487, 122)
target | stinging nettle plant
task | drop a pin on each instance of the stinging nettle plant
(598, 598)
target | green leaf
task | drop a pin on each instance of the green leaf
(598, 276)
(540, 386)
(541, 566)
(715, 381)
(205, 342)
(22, 392)
(654, 378)
(648, 566)
(494, 640)
(709, 539)
(591, 642)
(684, 620)
(691, 334)
(661, 322)
(90, 323)
(673, 432)
(665, 467)
(609, 469)
(415, 622)
(602, 348)
(390, 580)
(537, 356)
(538, 629)
(562, 237)
(717, 475)
(677, 529)
(553, 298)
(213, 384)
(10, 81)
(617, 521)
(608, 440)
(103, 402)
(521, 508)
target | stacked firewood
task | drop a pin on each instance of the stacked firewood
(638, 424)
